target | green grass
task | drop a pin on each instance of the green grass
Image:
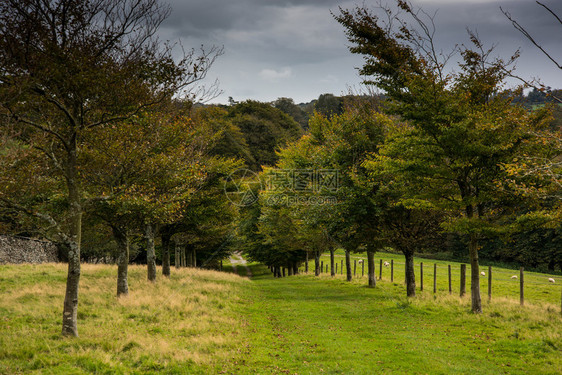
(208, 322)
(538, 290)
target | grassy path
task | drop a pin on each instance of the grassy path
(238, 262)
(310, 325)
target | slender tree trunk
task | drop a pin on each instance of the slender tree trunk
(348, 265)
(194, 255)
(317, 263)
(289, 269)
(295, 268)
(474, 275)
(70, 310)
(150, 252)
(122, 239)
(306, 263)
(410, 274)
(332, 269)
(166, 242)
(371, 268)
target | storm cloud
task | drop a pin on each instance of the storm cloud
(296, 48)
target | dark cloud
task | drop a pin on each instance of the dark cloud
(296, 48)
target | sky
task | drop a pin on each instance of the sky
(296, 49)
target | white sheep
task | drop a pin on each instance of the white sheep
(386, 264)
(551, 280)
(483, 273)
(514, 276)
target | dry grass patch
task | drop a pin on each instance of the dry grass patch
(185, 322)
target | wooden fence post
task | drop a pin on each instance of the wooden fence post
(354, 267)
(341, 271)
(363, 268)
(336, 268)
(450, 284)
(434, 278)
(463, 280)
(489, 283)
(392, 270)
(380, 271)
(421, 276)
(326, 267)
(521, 286)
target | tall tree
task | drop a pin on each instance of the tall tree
(70, 66)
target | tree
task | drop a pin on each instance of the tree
(70, 66)
(145, 169)
(461, 126)
(288, 106)
(266, 129)
(329, 105)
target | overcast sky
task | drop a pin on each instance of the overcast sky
(296, 49)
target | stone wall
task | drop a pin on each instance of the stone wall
(26, 250)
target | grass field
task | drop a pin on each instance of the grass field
(538, 289)
(208, 322)
(183, 325)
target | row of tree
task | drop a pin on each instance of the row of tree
(448, 154)
(95, 143)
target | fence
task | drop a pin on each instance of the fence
(443, 277)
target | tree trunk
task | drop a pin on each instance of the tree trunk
(295, 268)
(371, 269)
(474, 275)
(332, 270)
(193, 257)
(122, 239)
(177, 258)
(348, 265)
(410, 274)
(306, 263)
(289, 269)
(317, 263)
(70, 309)
(150, 253)
(166, 241)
